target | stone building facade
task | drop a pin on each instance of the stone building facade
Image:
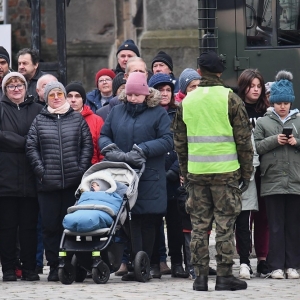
(95, 29)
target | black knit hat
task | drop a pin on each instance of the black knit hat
(4, 54)
(76, 86)
(129, 45)
(211, 62)
(117, 82)
(163, 57)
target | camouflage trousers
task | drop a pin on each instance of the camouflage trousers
(221, 203)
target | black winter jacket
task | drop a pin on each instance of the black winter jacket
(59, 148)
(16, 176)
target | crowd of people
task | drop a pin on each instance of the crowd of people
(230, 158)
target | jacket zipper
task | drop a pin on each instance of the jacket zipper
(61, 155)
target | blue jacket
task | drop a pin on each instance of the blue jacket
(148, 126)
(93, 100)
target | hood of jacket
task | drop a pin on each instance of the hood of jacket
(152, 100)
(86, 111)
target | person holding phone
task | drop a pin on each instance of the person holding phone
(280, 181)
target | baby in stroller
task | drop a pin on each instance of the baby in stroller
(96, 206)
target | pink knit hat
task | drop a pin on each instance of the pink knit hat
(137, 84)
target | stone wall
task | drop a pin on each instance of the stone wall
(171, 26)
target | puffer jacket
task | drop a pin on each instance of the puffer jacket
(59, 148)
(279, 164)
(16, 176)
(147, 125)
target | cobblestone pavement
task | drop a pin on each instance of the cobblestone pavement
(164, 288)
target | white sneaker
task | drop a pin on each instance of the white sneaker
(292, 273)
(244, 271)
(277, 274)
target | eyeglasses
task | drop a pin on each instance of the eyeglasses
(58, 94)
(77, 96)
(104, 80)
(20, 87)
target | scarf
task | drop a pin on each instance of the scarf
(60, 110)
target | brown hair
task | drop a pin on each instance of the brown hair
(244, 84)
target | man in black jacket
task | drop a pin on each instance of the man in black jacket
(28, 66)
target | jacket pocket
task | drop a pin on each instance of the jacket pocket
(149, 185)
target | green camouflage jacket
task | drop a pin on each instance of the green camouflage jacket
(242, 135)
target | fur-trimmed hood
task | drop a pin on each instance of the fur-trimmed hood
(152, 100)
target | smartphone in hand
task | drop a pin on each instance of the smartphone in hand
(287, 131)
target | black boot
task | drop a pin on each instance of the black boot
(178, 271)
(9, 275)
(30, 275)
(155, 271)
(128, 277)
(53, 274)
(229, 283)
(200, 283)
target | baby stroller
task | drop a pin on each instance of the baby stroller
(100, 251)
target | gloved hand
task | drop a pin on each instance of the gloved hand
(244, 184)
(113, 153)
(172, 175)
(135, 157)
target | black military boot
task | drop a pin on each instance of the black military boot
(229, 283)
(200, 283)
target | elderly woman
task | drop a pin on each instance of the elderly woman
(18, 197)
(137, 131)
(59, 148)
(103, 93)
(76, 97)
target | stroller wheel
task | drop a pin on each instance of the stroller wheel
(80, 272)
(141, 266)
(66, 274)
(101, 273)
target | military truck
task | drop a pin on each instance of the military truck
(262, 34)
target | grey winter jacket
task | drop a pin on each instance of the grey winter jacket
(249, 197)
(279, 164)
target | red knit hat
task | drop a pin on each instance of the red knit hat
(102, 72)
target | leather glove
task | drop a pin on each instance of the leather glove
(244, 185)
(113, 153)
(136, 157)
(172, 175)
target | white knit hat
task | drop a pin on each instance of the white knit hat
(12, 74)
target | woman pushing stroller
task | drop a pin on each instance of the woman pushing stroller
(137, 132)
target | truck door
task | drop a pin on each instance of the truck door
(268, 38)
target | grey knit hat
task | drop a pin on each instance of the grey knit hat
(12, 74)
(187, 76)
(53, 85)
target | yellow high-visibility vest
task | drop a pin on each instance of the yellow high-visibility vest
(211, 145)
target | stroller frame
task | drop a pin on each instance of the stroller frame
(105, 254)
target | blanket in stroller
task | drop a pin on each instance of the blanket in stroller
(96, 208)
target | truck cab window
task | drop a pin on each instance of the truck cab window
(260, 28)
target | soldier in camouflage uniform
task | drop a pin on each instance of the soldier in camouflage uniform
(214, 195)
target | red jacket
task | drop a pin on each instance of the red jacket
(95, 124)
